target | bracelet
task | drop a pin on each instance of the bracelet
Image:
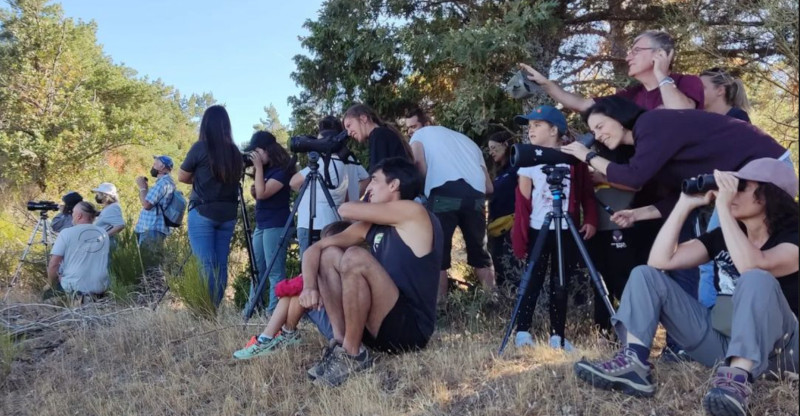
(142, 189)
(589, 157)
(666, 81)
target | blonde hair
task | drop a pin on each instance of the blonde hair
(735, 95)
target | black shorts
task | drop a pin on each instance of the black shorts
(398, 331)
(455, 206)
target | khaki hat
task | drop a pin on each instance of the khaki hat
(772, 171)
(107, 188)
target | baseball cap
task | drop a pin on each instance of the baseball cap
(107, 188)
(166, 160)
(260, 139)
(772, 171)
(71, 198)
(546, 113)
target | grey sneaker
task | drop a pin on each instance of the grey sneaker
(319, 368)
(341, 366)
(258, 349)
(729, 394)
(624, 372)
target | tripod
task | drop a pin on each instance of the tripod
(44, 225)
(311, 180)
(555, 180)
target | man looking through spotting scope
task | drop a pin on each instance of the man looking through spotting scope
(384, 297)
(456, 192)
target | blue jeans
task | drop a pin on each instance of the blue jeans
(265, 243)
(707, 292)
(151, 237)
(211, 243)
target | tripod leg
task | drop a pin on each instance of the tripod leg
(526, 277)
(255, 299)
(599, 284)
(25, 254)
(248, 236)
(331, 204)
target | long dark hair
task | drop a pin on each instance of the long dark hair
(625, 111)
(358, 110)
(278, 156)
(506, 138)
(224, 157)
(781, 209)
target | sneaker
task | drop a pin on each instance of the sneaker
(341, 366)
(319, 368)
(523, 339)
(265, 348)
(729, 394)
(624, 372)
(253, 341)
(556, 342)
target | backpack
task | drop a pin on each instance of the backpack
(174, 210)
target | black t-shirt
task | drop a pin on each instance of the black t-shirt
(505, 183)
(725, 273)
(738, 113)
(384, 143)
(417, 278)
(211, 198)
(274, 211)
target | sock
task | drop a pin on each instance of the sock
(642, 352)
(263, 339)
(286, 330)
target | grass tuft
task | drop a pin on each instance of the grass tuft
(190, 286)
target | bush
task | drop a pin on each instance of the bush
(8, 351)
(127, 265)
(191, 287)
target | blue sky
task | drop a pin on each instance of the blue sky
(240, 51)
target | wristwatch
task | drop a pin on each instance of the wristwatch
(666, 81)
(589, 157)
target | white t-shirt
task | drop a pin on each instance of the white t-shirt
(325, 215)
(110, 217)
(450, 156)
(542, 198)
(85, 251)
(355, 173)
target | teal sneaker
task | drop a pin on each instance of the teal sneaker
(266, 348)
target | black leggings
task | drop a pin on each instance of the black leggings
(558, 294)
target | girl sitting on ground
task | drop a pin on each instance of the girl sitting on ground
(281, 330)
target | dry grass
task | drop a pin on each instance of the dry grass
(169, 362)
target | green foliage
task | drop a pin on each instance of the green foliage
(8, 352)
(272, 123)
(191, 287)
(127, 264)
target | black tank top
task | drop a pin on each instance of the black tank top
(417, 278)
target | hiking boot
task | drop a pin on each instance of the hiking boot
(265, 348)
(729, 394)
(341, 366)
(319, 368)
(624, 372)
(523, 339)
(556, 342)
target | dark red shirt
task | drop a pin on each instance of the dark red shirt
(690, 85)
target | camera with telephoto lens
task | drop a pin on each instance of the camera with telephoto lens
(42, 206)
(324, 146)
(704, 183)
(524, 155)
(246, 159)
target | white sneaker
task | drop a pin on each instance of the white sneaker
(555, 342)
(523, 339)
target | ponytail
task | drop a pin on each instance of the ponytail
(736, 96)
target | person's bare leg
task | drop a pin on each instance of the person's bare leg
(486, 276)
(368, 294)
(330, 288)
(296, 312)
(278, 318)
(441, 298)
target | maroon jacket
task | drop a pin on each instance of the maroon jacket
(581, 194)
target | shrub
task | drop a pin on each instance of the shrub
(127, 265)
(8, 351)
(191, 287)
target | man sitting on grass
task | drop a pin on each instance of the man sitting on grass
(384, 297)
(79, 259)
(752, 329)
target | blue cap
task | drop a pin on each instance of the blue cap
(546, 113)
(166, 160)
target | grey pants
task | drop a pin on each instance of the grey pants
(764, 329)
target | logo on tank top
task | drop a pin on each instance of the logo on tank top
(617, 241)
(376, 242)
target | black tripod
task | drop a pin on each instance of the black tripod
(555, 178)
(311, 180)
(44, 225)
(248, 233)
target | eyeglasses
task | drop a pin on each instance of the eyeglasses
(635, 51)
